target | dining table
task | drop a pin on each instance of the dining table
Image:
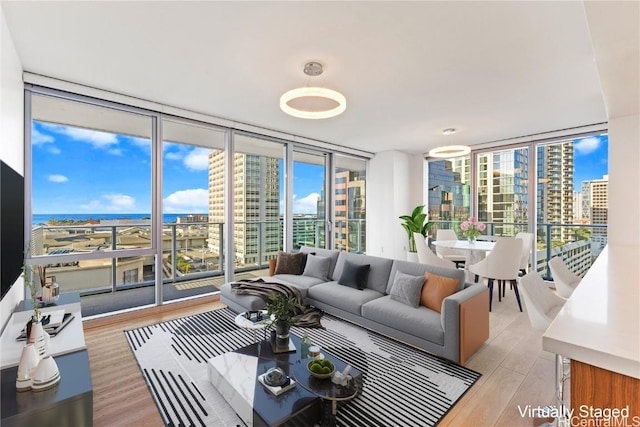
(475, 251)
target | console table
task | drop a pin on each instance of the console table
(70, 402)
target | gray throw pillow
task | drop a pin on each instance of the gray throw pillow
(317, 266)
(407, 289)
(289, 263)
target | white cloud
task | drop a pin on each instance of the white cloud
(115, 151)
(58, 178)
(38, 138)
(54, 150)
(587, 145)
(187, 201)
(112, 202)
(97, 139)
(172, 155)
(197, 159)
(306, 205)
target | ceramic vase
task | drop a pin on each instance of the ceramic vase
(28, 363)
(38, 339)
(46, 374)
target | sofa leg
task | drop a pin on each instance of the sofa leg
(490, 284)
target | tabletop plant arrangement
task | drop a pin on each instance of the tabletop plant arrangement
(282, 310)
(472, 228)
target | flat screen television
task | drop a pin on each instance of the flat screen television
(11, 226)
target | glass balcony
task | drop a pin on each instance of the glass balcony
(82, 257)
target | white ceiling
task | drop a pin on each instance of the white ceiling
(493, 70)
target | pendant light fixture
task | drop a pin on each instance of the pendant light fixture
(449, 151)
(313, 102)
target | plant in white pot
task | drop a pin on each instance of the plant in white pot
(415, 223)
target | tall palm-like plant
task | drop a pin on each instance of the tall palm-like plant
(416, 223)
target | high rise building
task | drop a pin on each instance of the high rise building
(555, 189)
(595, 205)
(577, 205)
(503, 196)
(448, 196)
(256, 202)
(350, 211)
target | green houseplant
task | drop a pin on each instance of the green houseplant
(416, 223)
(282, 308)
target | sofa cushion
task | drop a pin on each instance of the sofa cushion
(406, 289)
(289, 263)
(303, 283)
(342, 297)
(417, 269)
(317, 266)
(354, 276)
(437, 288)
(378, 272)
(329, 253)
(421, 322)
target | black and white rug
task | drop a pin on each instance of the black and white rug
(403, 386)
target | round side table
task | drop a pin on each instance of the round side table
(244, 320)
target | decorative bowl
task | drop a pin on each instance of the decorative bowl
(323, 363)
(275, 377)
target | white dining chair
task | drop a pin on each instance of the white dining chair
(426, 255)
(543, 306)
(501, 264)
(542, 303)
(563, 278)
(527, 246)
(458, 256)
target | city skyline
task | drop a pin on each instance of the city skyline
(85, 171)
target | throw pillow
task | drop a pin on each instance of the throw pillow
(354, 276)
(406, 289)
(303, 264)
(288, 263)
(317, 266)
(437, 288)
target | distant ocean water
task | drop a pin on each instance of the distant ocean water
(44, 218)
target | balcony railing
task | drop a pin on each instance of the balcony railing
(84, 258)
(578, 244)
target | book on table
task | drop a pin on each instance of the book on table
(52, 322)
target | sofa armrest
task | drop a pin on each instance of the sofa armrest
(272, 266)
(465, 319)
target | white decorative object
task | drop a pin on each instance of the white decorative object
(37, 338)
(28, 364)
(50, 291)
(46, 375)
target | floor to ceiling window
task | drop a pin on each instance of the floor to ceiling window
(572, 201)
(257, 188)
(309, 199)
(557, 187)
(91, 195)
(193, 185)
(448, 195)
(130, 206)
(503, 191)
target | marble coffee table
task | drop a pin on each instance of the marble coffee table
(235, 374)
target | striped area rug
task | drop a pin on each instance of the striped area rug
(403, 386)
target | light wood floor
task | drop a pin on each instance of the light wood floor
(515, 370)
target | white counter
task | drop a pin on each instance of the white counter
(600, 323)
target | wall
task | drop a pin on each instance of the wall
(389, 195)
(624, 180)
(11, 135)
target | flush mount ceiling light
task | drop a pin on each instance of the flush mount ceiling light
(313, 102)
(450, 151)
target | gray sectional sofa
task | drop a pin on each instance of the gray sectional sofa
(455, 333)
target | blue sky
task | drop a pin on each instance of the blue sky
(85, 171)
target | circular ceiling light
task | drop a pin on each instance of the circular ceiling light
(313, 102)
(449, 131)
(450, 151)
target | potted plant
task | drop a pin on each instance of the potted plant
(415, 223)
(281, 309)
